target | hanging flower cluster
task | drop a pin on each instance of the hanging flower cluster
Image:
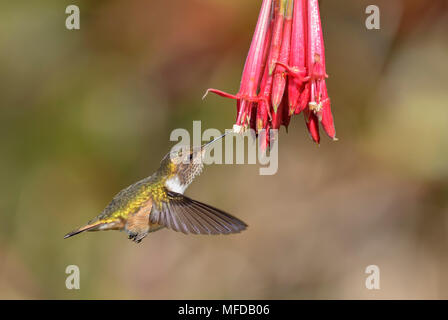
(284, 73)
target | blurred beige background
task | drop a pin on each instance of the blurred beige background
(86, 113)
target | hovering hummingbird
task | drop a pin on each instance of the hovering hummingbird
(158, 201)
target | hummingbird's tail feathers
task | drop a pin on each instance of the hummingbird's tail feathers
(186, 215)
(97, 226)
(82, 229)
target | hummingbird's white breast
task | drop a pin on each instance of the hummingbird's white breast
(174, 184)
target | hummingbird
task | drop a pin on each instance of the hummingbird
(158, 201)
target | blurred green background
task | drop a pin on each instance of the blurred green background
(85, 113)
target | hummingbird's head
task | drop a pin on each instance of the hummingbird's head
(182, 164)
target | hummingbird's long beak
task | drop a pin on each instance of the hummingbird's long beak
(214, 140)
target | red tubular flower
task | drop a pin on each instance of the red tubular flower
(265, 142)
(277, 117)
(319, 101)
(287, 51)
(304, 98)
(312, 123)
(263, 110)
(247, 95)
(286, 117)
(267, 80)
(327, 117)
(263, 114)
(266, 50)
(281, 117)
(296, 68)
(279, 83)
(297, 59)
(276, 43)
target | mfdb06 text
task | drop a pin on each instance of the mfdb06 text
(240, 309)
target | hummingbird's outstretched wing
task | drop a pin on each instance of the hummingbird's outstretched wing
(186, 215)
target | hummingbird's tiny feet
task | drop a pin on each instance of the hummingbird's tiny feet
(140, 237)
(132, 235)
(136, 236)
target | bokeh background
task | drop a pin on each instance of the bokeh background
(85, 113)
